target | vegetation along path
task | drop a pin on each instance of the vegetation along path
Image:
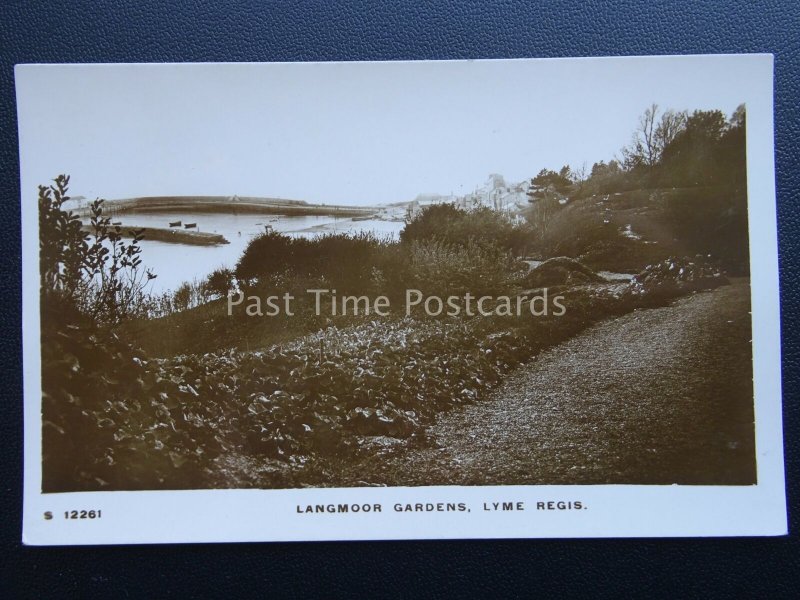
(658, 396)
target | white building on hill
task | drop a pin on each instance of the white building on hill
(495, 193)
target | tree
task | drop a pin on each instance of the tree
(579, 178)
(641, 151)
(540, 214)
(693, 156)
(546, 193)
(732, 149)
(549, 183)
(652, 136)
(183, 297)
(739, 117)
(266, 256)
(672, 123)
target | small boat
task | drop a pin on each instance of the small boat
(190, 226)
(174, 223)
(116, 222)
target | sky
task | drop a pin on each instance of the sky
(343, 133)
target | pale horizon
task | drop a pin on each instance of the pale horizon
(343, 133)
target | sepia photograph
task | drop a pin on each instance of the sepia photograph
(390, 275)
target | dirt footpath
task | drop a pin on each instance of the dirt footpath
(658, 396)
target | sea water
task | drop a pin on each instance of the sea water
(176, 263)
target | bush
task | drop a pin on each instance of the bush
(218, 283)
(96, 274)
(443, 249)
(348, 261)
(343, 261)
(111, 419)
(438, 268)
(268, 255)
(454, 226)
(182, 298)
(576, 229)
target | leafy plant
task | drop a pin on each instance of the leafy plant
(439, 268)
(219, 283)
(455, 226)
(96, 272)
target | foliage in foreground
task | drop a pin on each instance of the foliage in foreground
(115, 420)
(96, 273)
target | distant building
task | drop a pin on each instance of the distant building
(495, 193)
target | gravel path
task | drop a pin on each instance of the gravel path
(657, 396)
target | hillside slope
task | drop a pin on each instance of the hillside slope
(625, 231)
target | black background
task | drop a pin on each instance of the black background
(284, 30)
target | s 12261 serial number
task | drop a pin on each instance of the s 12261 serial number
(83, 514)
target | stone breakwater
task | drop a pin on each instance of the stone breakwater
(174, 236)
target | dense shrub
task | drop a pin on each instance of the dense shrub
(443, 249)
(267, 255)
(608, 178)
(454, 226)
(365, 264)
(219, 283)
(572, 231)
(438, 268)
(711, 221)
(113, 420)
(345, 261)
(348, 261)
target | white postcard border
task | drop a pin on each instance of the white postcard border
(610, 510)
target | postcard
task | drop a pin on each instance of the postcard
(400, 300)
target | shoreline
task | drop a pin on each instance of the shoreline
(212, 204)
(172, 236)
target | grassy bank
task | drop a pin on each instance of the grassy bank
(208, 328)
(626, 231)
